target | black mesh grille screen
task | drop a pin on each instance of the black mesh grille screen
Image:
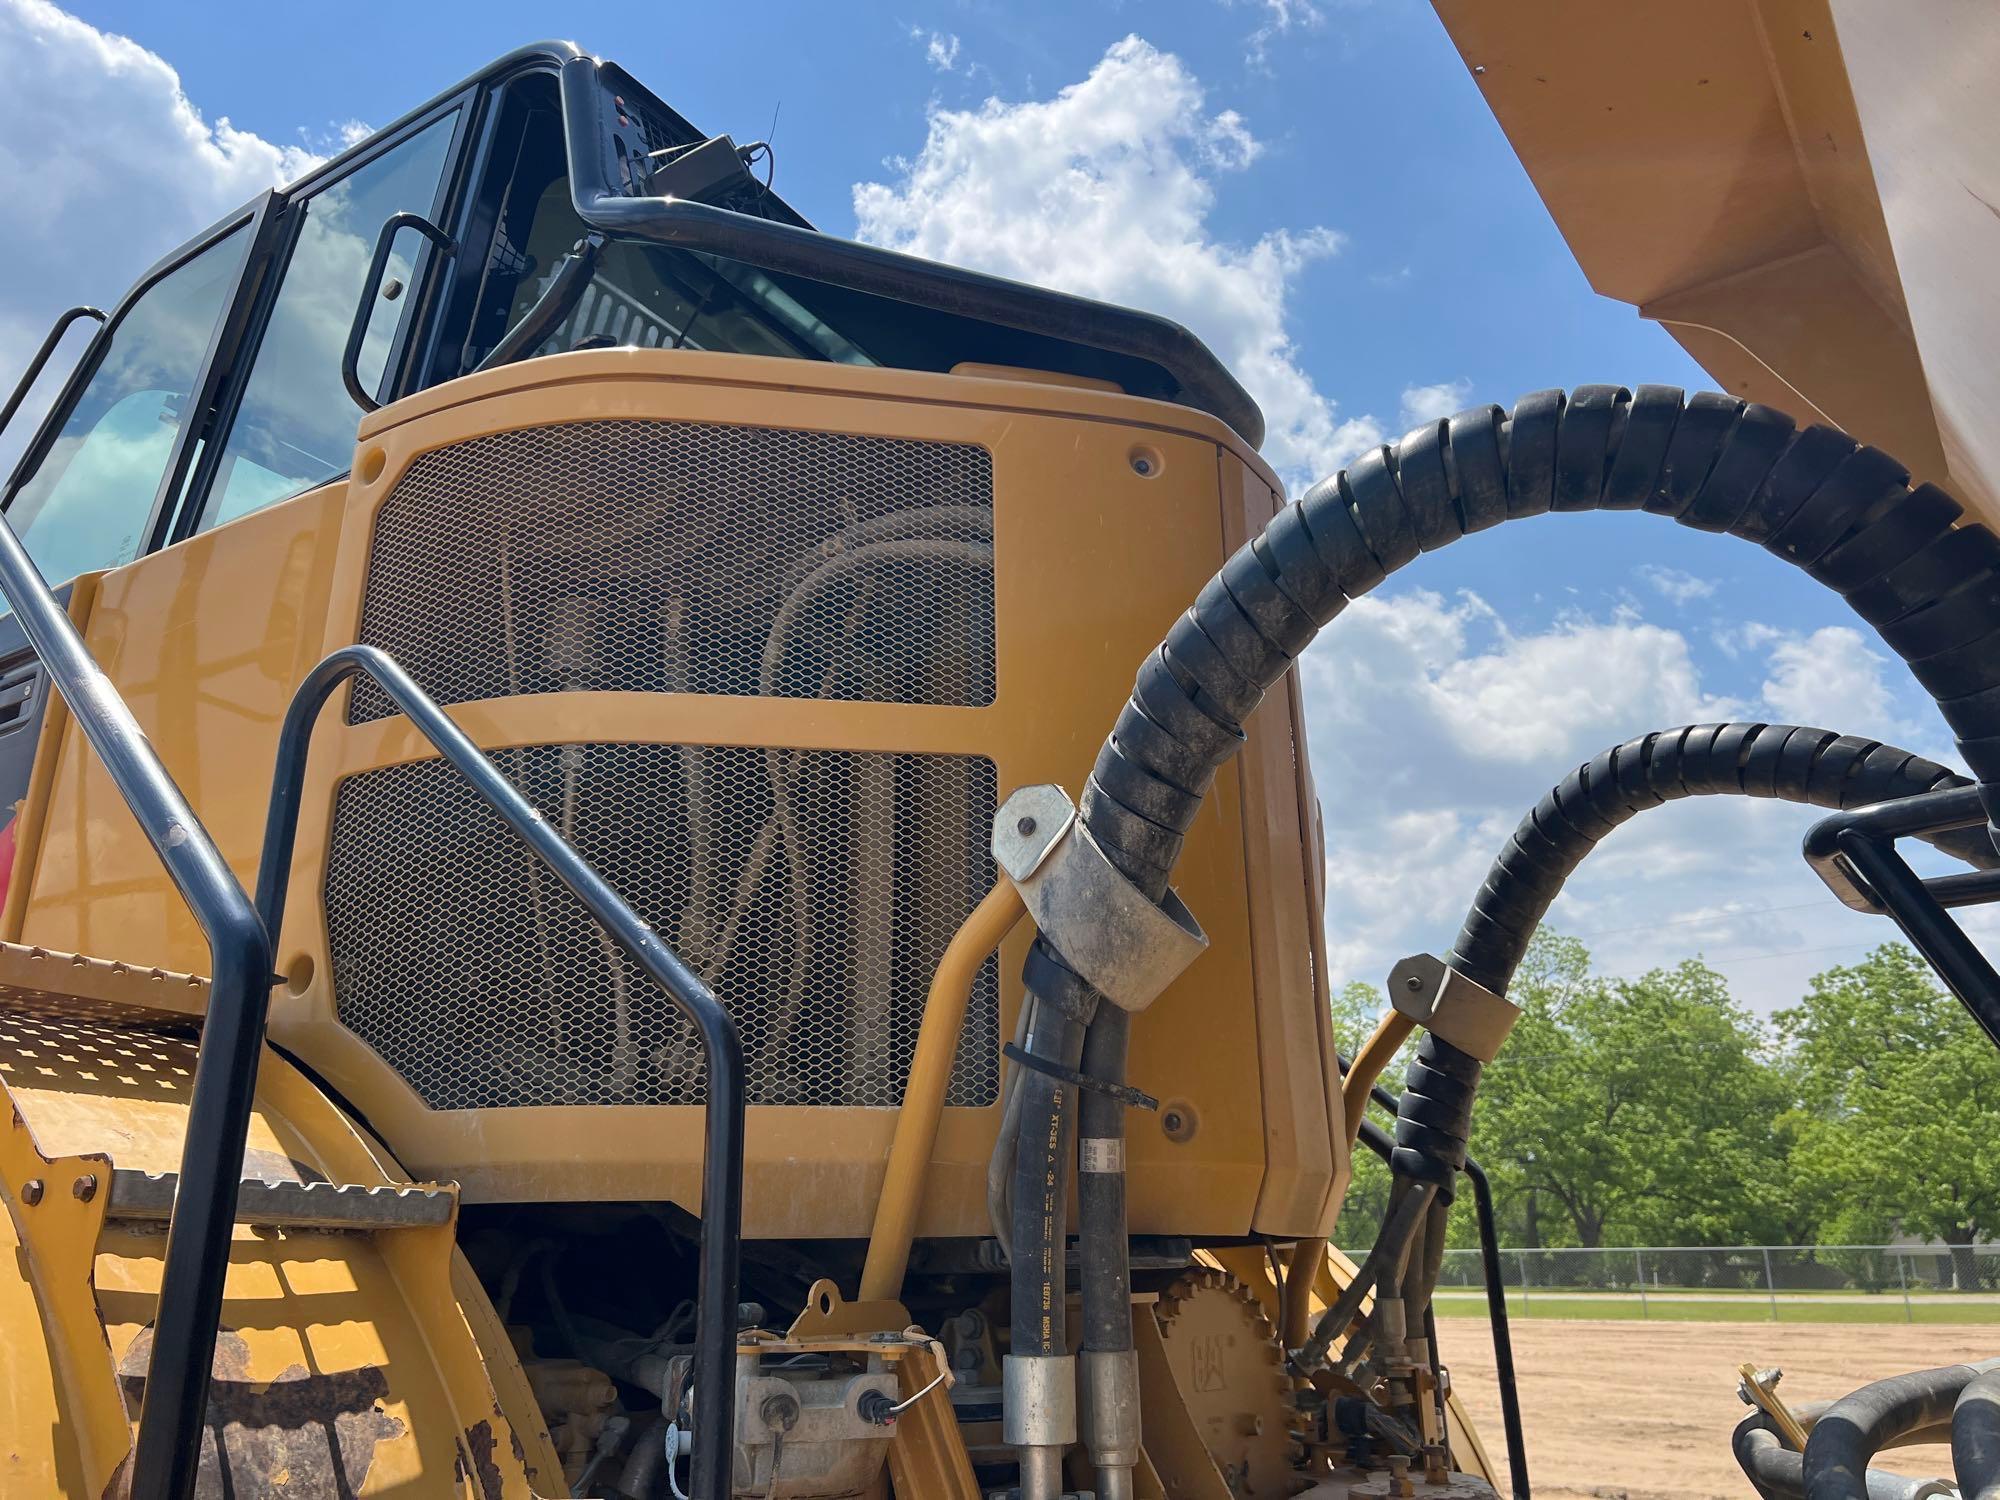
(815, 891)
(687, 557)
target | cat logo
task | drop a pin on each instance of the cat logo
(1207, 1353)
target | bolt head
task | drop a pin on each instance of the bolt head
(1413, 983)
(1025, 827)
(85, 1187)
(31, 1191)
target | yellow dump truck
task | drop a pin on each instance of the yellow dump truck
(572, 925)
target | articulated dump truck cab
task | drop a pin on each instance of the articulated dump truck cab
(653, 662)
(633, 573)
(764, 568)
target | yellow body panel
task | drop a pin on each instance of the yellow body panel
(1093, 562)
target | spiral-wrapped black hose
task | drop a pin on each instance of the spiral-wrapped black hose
(1841, 510)
(1789, 762)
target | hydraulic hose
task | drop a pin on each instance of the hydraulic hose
(1841, 510)
(1975, 1438)
(1857, 1427)
(1787, 762)
(1778, 1473)
(1038, 1374)
(1783, 761)
(1109, 1364)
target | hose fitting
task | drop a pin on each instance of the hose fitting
(1039, 1418)
(1110, 1414)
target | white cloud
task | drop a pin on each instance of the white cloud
(1503, 697)
(1280, 19)
(1434, 727)
(1674, 585)
(118, 165)
(1105, 190)
(940, 48)
(1836, 678)
(1433, 403)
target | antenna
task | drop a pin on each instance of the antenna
(771, 156)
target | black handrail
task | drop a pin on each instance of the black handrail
(174, 1408)
(34, 371)
(714, 1371)
(1854, 852)
(371, 284)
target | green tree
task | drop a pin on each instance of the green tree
(1632, 1111)
(1897, 1124)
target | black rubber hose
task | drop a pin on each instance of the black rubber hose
(1496, 1313)
(1100, 1189)
(1838, 509)
(1772, 1469)
(1975, 1438)
(1778, 1472)
(1041, 1187)
(1783, 761)
(1858, 1426)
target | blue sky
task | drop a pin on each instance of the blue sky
(1315, 187)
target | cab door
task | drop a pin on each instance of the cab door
(214, 390)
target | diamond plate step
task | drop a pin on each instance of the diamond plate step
(294, 1205)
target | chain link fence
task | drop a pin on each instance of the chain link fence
(1831, 1283)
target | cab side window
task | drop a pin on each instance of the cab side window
(88, 502)
(295, 425)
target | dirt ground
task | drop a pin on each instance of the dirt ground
(1643, 1411)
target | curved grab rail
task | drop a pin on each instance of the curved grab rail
(34, 371)
(174, 1408)
(371, 288)
(714, 1371)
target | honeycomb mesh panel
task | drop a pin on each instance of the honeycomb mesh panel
(814, 890)
(686, 557)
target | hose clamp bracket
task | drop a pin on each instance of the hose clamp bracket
(1109, 931)
(1450, 1006)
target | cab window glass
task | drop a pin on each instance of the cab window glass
(643, 295)
(295, 426)
(87, 504)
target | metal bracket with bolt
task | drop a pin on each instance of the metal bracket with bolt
(1109, 931)
(1448, 1005)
